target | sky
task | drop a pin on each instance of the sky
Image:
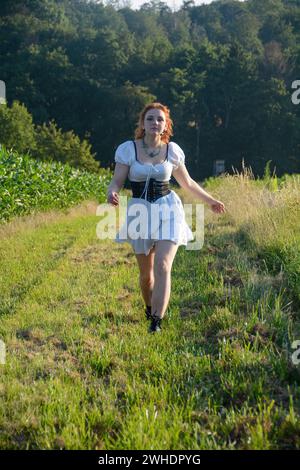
(135, 4)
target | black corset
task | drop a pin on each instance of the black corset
(156, 189)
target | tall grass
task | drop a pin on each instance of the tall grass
(266, 216)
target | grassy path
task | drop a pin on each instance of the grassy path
(82, 372)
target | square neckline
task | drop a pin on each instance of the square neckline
(150, 164)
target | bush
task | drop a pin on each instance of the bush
(65, 147)
(16, 128)
(46, 142)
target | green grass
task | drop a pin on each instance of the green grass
(82, 372)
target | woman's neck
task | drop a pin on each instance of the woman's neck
(153, 141)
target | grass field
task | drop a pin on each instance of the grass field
(81, 370)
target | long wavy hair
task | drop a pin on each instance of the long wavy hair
(168, 132)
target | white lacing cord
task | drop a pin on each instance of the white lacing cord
(148, 180)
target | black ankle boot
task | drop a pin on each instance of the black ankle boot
(148, 312)
(155, 325)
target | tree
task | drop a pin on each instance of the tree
(66, 147)
(16, 127)
(221, 68)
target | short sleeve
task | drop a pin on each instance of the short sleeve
(125, 153)
(176, 155)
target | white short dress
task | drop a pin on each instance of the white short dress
(147, 222)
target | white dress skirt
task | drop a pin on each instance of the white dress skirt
(148, 222)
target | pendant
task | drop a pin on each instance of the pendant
(153, 153)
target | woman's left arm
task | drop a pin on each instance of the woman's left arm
(183, 178)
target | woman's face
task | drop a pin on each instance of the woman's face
(155, 121)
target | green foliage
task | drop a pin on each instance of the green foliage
(46, 142)
(65, 147)
(16, 127)
(226, 67)
(27, 185)
(270, 180)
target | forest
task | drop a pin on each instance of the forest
(226, 71)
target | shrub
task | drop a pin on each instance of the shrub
(16, 128)
(66, 147)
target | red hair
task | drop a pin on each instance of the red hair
(140, 132)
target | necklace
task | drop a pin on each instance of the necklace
(153, 153)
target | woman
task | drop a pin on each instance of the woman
(149, 161)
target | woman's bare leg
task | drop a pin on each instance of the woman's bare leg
(146, 266)
(165, 252)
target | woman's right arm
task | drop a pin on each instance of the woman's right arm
(116, 184)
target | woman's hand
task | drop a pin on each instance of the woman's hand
(217, 206)
(113, 198)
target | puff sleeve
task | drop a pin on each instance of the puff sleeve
(176, 155)
(124, 153)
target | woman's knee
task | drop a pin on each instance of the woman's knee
(162, 267)
(147, 278)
